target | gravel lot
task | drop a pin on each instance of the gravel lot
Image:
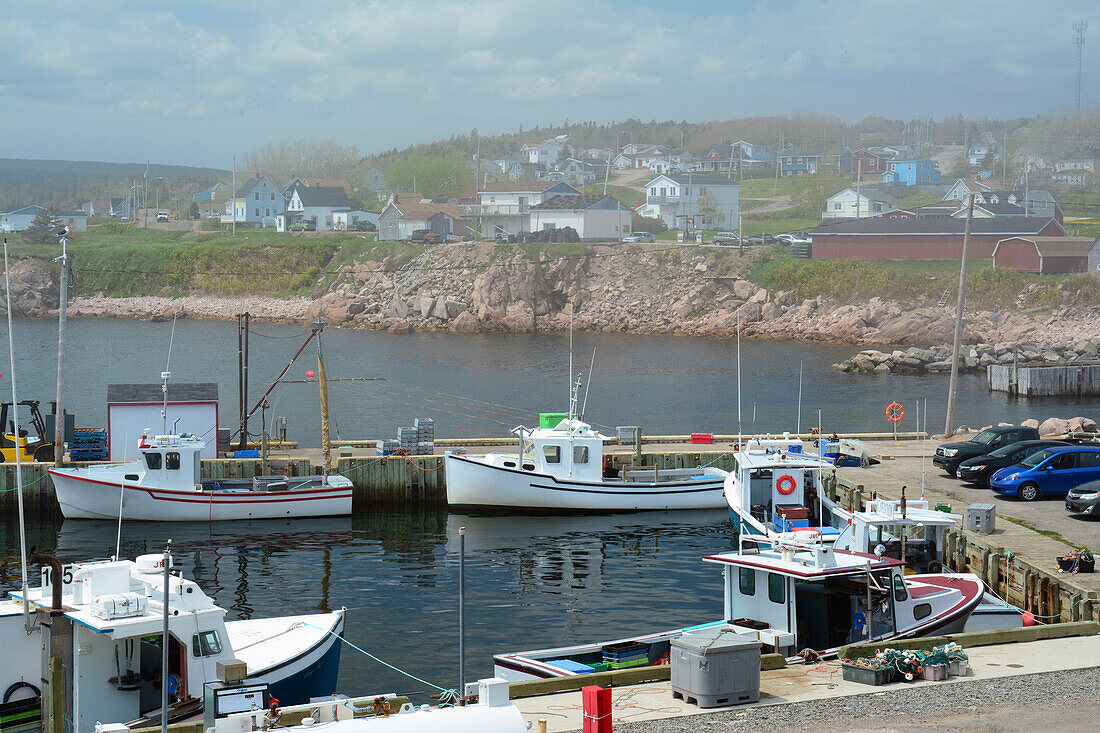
(1023, 703)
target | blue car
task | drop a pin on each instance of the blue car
(1050, 472)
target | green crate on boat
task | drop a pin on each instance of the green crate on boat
(640, 662)
(550, 420)
(943, 506)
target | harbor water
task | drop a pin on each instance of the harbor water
(532, 581)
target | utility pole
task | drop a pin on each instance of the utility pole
(145, 194)
(954, 386)
(62, 309)
(233, 195)
(1004, 159)
(1079, 40)
(778, 162)
(859, 176)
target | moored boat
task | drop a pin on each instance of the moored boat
(166, 484)
(790, 596)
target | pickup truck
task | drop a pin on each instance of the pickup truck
(950, 455)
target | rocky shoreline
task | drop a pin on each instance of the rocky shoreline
(916, 360)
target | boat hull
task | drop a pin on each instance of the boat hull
(82, 497)
(310, 674)
(474, 484)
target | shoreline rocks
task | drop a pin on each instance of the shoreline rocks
(937, 359)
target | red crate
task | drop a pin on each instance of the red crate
(792, 511)
(702, 438)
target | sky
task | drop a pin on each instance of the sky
(196, 82)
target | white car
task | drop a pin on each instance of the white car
(792, 239)
(639, 237)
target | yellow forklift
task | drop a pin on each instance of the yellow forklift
(30, 449)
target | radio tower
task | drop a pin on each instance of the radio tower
(1079, 41)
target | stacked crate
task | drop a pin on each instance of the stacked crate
(88, 444)
(388, 447)
(425, 436)
(406, 439)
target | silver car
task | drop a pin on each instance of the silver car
(640, 237)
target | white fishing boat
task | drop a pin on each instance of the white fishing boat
(561, 469)
(775, 487)
(104, 620)
(166, 484)
(792, 595)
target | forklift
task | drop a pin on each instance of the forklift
(37, 449)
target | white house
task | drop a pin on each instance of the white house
(1076, 169)
(592, 216)
(573, 171)
(847, 204)
(504, 207)
(257, 203)
(344, 219)
(545, 152)
(318, 204)
(688, 201)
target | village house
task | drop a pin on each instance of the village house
(504, 207)
(20, 219)
(687, 201)
(316, 203)
(572, 171)
(208, 194)
(592, 216)
(346, 219)
(1043, 255)
(796, 162)
(848, 204)
(911, 172)
(546, 152)
(923, 238)
(864, 160)
(1077, 168)
(726, 157)
(408, 213)
(257, 202)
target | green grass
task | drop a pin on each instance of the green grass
(1084, 227)
(631, 197)
(779, 225)
(763, 187)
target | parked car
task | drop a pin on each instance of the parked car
(978, 470)
(1085, 499)
(1050, 472)
(419, 236)
(162, 216)
(640, 237)
(727, 238)
(304, 225)
(363, 226)
(792, 239)
(950, 455)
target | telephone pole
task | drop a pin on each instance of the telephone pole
(1079, 40)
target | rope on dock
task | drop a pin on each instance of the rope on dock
(25, 486)
(417, 465)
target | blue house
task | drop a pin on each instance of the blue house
(18, 220)
(257, 203)
(795, 162)
(911, 172)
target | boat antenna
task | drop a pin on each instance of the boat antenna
(164, 377)
(739, 377)
(587, 385)
(798, 420)
(921, 436)
(18, 457)
(753, 429)
(571, 391)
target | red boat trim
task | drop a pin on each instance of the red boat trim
(547, 477)
(226, 497)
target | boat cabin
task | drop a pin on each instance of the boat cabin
(775, 490)
(169, 461)
(908, 531)
(569, 450)
(798, 595)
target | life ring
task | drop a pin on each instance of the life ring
(788, 481)
(895, 412)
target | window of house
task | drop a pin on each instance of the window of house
(172, 461)
(836, 207)
(206, 644)
(267, 212)
(653, 191)
(257, 195)
(257, 211)
(552, 453)
(746, 581)
(777, 588)
(580, 454)
(152, 460)
(273, 196)
(663, 190)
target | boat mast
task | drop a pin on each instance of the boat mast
(164, 377)
(62, 308)
(18, 451)
(326, 443)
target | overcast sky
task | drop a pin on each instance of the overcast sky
(195, 82)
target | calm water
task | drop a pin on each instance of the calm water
(532, 581)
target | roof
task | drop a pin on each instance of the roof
(796, 152)
(870, 193)
(522, 185)
(1001, 208)
(418, 211)
(72, 213)
(23, 209)
(1057, 246)
(323, 196)
(690, 180)
(1007, 225)
(181, 392)
(247, 186)
(571, 201)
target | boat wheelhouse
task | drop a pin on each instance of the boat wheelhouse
(166, 484)
(562, 469)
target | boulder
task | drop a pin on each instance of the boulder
(1030, 423)
(454, 307)
(439, 310)
(770, 311)
(760, 296)
(743, 289)
(465, 322)
(357, 308)
(750, 312)
(425, 304)
(398, 308)
(1082, 425)
(961, 430)
(882, 368)
(924, 355)
(400, 327)
(1054, 426)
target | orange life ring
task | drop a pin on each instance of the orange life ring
(895, 412)
(788, 481)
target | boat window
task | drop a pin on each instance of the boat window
(172, 461)
(206, 644)
(747, 581)
(509, 464)
(580, 454)
(152, 460)
(552, 453)
(777, 588)
(900, 594)
(922, 610)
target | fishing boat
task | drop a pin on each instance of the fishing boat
(104, 619)
(774, 487)
(561, 469)
(790, 594)
(166, 484)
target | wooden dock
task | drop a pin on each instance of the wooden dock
(1074, 380)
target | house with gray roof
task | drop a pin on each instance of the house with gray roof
(257, 202)
(318, 204)
(688, 201)
(593, 216)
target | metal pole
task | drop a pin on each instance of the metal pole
(798, 421)
(326, 441)
(462, 615)
(954, 386)
(164, 643)
(867, 616)
(18, 451)
(62, 309)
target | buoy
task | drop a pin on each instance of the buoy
(309, 373)
(1029, 618)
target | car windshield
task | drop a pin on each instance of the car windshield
(1036, 458)
(985, 438)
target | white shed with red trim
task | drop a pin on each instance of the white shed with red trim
(134, 408)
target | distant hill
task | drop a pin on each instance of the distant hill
(69, 183)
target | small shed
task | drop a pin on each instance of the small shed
(1043, 255)
(133, 408)
(1094, 258)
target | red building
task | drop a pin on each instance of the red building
(923, 238)
(1044, 255)
(866, 159)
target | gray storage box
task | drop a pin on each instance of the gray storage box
(715, 666)
(981, 518)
